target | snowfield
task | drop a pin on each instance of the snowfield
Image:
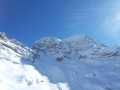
(76, 63)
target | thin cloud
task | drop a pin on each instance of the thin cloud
(74, 24)
(112, 26)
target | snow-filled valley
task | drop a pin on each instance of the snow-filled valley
(75, 63)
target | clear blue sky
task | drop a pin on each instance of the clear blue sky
(30, 20)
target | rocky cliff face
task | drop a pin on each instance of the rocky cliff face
(82, 47)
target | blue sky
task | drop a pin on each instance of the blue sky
(30, 20)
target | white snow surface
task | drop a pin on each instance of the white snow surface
(76, 63)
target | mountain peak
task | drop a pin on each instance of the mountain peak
(3, 36)
(78, 38)
(47, 39)
(46, 43)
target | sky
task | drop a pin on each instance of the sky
(31, 20)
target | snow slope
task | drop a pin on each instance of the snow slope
(75, 63)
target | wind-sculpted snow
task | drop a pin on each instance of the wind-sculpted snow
(75, 63)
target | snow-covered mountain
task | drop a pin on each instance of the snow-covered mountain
(75, 63)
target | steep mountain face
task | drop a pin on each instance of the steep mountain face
(13, 71)
(76, 46)
(75, 63)
(12, 45)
